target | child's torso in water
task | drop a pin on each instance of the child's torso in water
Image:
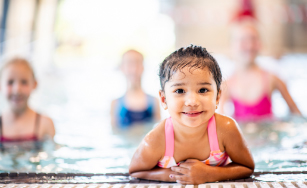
(127, 117)
(260, 109)
(31, 137)
(216, 158)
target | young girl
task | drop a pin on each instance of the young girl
(195, 144)
(135, 106)
(19, 122)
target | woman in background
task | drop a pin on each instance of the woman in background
(250, 88)
(19, 122)
(135, 107)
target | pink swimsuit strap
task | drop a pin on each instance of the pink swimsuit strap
(169, 136)
(213, 141)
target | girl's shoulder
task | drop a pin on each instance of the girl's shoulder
(227, 129)
(223, 119)
(225, 124)
(155, 139)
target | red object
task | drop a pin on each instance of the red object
(246, 10)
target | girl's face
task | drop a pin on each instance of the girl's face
(190, 96)
(17, 83)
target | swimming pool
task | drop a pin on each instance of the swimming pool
(281, 146)
(85, 142)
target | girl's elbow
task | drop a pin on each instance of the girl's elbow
(132, 174)
(131, 170)
(135, 174)
(251, 168)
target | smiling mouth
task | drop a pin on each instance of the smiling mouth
(192, 114)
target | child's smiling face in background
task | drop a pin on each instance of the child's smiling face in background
(17, 83)
(191, 96)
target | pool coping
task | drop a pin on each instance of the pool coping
(124, 178)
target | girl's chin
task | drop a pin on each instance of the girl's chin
(193, 124)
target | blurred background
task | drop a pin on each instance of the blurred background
(75, 47)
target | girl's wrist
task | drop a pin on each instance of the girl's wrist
(209, 177)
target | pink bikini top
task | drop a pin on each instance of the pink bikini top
(260, 110)
(216, 158)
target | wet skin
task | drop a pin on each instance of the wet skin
(191, 98)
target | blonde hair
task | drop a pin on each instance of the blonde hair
(18, 60)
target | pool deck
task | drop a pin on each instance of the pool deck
(124, 178)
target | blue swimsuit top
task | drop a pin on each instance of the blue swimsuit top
(126, 117)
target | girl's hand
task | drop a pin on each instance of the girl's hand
(193, 172)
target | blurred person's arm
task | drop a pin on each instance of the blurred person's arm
(281, 86)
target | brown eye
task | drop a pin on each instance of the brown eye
(203, 90)
(179, 91)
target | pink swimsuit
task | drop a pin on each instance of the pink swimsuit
(216, 158)
(260, 110)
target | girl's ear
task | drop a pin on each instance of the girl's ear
(163, 99)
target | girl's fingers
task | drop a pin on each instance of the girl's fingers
(181, 178)
(185, 165)
(180, 169)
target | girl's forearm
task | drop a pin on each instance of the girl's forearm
(159, 174)
(231, 171)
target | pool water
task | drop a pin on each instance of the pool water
(281, 146)
(278, 146)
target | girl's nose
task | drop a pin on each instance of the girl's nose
(192, 100)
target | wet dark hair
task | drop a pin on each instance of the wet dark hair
(194, 57)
